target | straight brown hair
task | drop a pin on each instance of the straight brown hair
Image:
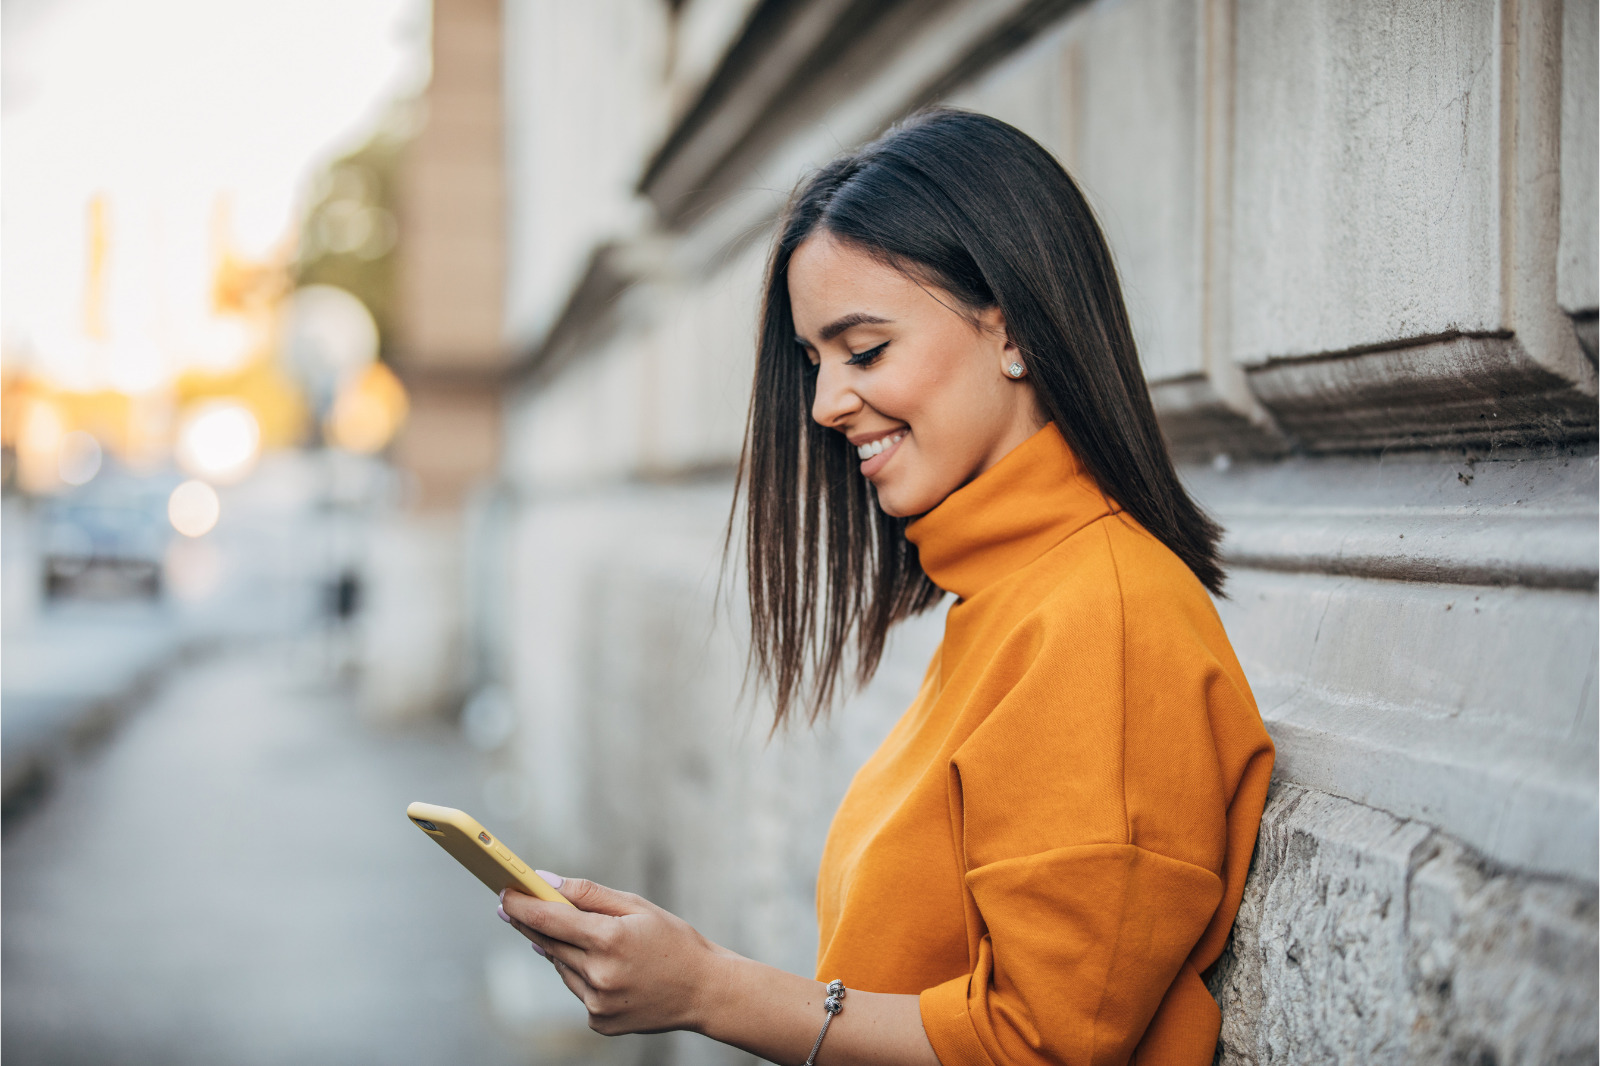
(977, 208)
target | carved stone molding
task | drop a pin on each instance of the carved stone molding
(1199, 421)
(1460, 389)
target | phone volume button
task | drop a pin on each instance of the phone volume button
(510, 860)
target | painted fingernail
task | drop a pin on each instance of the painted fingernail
(504, 917)
(539, 949)
(554, 879)
(503, 895)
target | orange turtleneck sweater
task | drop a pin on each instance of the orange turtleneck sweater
(1051, 844)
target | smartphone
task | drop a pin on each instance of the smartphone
(474, 847)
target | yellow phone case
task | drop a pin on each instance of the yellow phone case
(475, 848)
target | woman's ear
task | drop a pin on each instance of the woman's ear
(993, 323)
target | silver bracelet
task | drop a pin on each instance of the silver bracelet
(833, 1005)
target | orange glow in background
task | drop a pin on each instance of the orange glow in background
(148, 260)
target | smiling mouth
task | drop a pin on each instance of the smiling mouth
(879, 446)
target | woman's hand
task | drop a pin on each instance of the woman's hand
(638, 969)
(635, 967)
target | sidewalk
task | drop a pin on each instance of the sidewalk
(231, 879)
(68, 676)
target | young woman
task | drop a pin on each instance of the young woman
(1050, 847)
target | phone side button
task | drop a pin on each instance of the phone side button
(510, 860)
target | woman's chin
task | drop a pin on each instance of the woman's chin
(903, 501)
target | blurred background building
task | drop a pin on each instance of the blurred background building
(456, 441)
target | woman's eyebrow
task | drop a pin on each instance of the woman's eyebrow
(854, 318)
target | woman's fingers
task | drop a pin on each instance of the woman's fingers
(574, 982)
(556, 920)
(533, 935)
(567, 958)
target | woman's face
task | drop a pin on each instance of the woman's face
(908, 379)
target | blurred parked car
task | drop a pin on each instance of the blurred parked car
(105, 540)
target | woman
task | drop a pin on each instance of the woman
(1050, 847)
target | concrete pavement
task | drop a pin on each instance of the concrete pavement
(231, 879)
(67, 677)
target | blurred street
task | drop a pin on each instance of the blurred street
(56, 697)
(228, 877)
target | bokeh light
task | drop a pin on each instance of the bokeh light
(39, 446)
(329, 332)
(80, 457)
(219, 441)
(193, 508)
(368, 411)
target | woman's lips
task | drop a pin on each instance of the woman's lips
(871, 466)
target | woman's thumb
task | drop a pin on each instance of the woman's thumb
(588, 896)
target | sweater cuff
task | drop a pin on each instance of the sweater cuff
(949, 1026)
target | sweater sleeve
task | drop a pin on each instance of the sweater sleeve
(1092, 818)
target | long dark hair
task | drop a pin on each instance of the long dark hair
(975, 207)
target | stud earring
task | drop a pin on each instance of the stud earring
(1016, 370)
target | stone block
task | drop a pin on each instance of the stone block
(1368, 939)
(583, 108)
(1456, 519)
(1139, 154)
(1366, 175)
(583, 428)
(1579, 265)
(1032, 90)
(1501, 968)
(1320, 943)
(1469, 707)
(1395, 224)
(1460, 390)
(697, 364)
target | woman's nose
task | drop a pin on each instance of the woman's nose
(835, 399)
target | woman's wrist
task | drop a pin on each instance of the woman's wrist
(777, 1015)
(713, 988)
(758, 1007)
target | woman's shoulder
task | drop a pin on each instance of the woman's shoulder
(1115, 579)
(1113, 557)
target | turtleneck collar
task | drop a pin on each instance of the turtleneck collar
(1031, 500)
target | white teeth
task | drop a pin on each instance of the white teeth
(878, 447)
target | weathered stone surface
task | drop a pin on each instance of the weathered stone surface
(1579, 264)
(1134, 98)
(1308, 975)
(1464, 390)
(1367, 939)
(1463, 519)
(1384, 691)
(573, 71)
(1140, 155)
(1502, 967)
(1365, 175)
(1033, 91)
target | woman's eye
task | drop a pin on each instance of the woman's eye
(868, 357)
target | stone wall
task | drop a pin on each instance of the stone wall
(1358, 242)
(1368, 938)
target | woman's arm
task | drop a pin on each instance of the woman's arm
(639, 969)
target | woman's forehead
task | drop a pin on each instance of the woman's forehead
(834, 287)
